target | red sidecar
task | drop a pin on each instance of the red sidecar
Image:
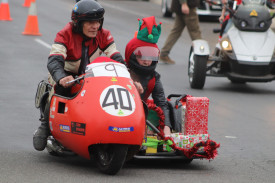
(105, 118)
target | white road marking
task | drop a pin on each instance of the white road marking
(43, 43)
(117, 7)
(230, 137)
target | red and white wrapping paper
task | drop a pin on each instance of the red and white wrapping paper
(196, 116)
(187, 141)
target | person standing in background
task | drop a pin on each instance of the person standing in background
(186, 15)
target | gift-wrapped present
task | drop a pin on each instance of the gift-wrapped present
(151, 144)
(188, 141)
(196, 116)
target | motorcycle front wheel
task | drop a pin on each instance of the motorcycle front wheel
(110, 157)
(196, 70)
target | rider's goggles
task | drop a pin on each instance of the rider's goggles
(147, 53)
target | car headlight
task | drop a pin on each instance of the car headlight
(202, 48)
(243, 24)
(226, 45)
(262, 24)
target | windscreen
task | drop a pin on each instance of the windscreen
(147, 53)
(107, 69)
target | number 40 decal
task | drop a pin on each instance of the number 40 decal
(117, 100)
(120, 91)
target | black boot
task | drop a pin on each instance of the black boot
(40, 136)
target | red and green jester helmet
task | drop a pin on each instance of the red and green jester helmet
(148, 30)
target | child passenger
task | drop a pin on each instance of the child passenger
(141, 56)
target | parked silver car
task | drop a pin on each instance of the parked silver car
(204, 9)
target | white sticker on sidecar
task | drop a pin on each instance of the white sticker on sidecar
(117, 101)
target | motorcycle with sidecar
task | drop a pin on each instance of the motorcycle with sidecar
(106, 120)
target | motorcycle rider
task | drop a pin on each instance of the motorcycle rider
(141, 56)
(226, 20)
(75, 46)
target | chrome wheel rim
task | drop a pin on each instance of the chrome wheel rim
(191, 66)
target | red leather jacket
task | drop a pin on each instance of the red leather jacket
(71, 51)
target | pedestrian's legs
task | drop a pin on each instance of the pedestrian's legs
(174, 35)
(192, 24)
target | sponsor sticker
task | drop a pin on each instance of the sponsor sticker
(83, 93)
(51, 126)
(64, 128)
(78, 128)
(117, 129)
(75, 8)
(253, 13)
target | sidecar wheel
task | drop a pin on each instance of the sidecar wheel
(110, 157)
(197, 70)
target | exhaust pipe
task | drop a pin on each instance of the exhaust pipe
(52, 146)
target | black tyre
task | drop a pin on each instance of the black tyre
(166, 12)
(196, 70)
(132, 150)
(110, 157)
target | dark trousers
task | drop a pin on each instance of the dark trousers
(191, 21)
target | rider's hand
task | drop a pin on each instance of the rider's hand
(139, 87)
(185, 9)
(63, 81)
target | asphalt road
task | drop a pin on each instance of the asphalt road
(241, 117)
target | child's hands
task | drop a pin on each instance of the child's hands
(221, 18)
(185, 8)
(139, 87)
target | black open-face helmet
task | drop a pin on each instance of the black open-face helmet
(86, 10)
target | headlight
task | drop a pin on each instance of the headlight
(262, 24)
(243, 24)
(226, 45)
(202, 48)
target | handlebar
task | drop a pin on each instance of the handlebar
(76, 79)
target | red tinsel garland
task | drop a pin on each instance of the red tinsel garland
(210, 146)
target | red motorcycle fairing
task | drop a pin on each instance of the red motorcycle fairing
(107, 110)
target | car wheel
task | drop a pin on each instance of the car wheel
(196, 70)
